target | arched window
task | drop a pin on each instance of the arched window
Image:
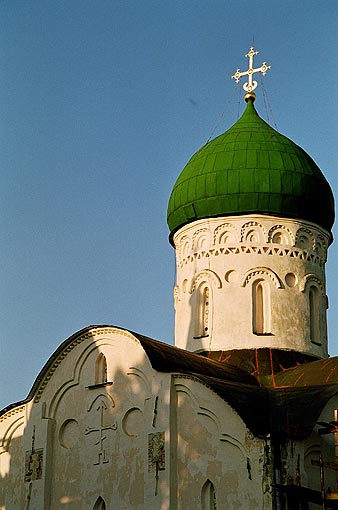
(260, 308)
(208, 496)
(202, 311)
(99, 504)
(101, 369)
(314, 299)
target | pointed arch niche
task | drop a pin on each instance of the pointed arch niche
(208, 496)
(99, 504)
(261, 307)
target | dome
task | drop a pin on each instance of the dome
(251, 168)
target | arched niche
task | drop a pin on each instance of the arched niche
(202, 310)
(208, 496)
(99, 504)
(261, 307)
(101, 369)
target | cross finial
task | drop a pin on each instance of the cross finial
(251, 84)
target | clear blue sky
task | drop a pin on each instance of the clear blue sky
(101, 105)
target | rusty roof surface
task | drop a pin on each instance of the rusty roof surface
(320, 372)
(271, 399)
(167, 358)
(281, 393)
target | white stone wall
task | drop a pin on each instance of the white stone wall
(232, 256)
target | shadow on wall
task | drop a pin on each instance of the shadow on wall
(95, 437)
(97, 434)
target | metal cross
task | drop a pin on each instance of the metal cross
(251, 84)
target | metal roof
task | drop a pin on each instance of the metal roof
(251, 168)
(271, 399)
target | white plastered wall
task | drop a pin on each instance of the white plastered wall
(214, 447)
(140, 439)
(92, 438)
(231, 255)
(11, 445)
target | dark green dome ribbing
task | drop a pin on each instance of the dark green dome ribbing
(251, 168)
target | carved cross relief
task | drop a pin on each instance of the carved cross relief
(101, 430)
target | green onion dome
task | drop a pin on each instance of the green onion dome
(251, 168)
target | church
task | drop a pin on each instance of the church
(242, 413)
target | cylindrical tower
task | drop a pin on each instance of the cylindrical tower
(250, 218)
